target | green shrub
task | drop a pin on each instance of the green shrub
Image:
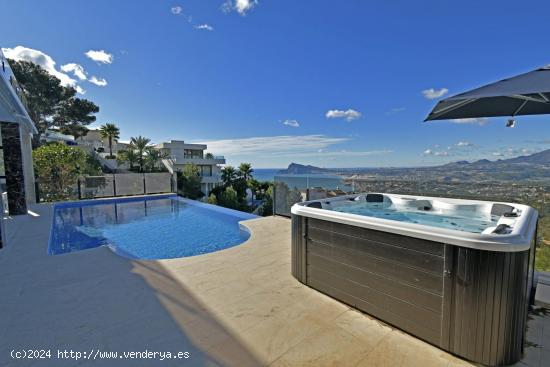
(189, 182)
(57, 167)
(212, 199)
(229, 198)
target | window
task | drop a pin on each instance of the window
(193, 153)
(205, 171)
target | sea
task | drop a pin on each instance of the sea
(265, 174)
(300, 181)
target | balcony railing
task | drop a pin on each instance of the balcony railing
(182, 159)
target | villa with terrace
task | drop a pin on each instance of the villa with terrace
(94, 140)
(365, 279)
(181, 153)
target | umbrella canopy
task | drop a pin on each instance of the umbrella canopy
(525, 94)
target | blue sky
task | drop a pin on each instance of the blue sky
(330, 83)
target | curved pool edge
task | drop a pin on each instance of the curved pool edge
(241, 216)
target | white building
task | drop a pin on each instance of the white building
(95, 142)
(181, 153)
(52, 136)
(16, 130)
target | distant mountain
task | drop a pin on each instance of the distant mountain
(300, 169)
(534, 167)
(542, 158)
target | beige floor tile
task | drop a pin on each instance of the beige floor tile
(362, 326)
(397, 349)
(238, 307)
(330, 346)
(230, 353)
(271, 338)
(318, 310)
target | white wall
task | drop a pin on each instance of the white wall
(28, 168)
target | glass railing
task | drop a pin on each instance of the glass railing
(291, 189)
(108, 185)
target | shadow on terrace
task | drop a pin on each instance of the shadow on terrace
(100, 301)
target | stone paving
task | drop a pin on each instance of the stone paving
(236, 307)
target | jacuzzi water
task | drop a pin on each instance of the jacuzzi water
(146, 228)
(459, 220)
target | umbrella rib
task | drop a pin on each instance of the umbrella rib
(519, 108)
(451, 108)
(527, 98)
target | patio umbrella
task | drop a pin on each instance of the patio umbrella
(524, 94)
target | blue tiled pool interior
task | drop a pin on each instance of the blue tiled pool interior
(158, 227)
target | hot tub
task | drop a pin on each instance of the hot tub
(455, 273)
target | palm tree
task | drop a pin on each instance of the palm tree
(140, 145)
(209, 156)
(228, 175)
(154, 157)
(128, 156)
(111, 132)
(245, 171)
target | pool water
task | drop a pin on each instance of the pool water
(146, 228)
(462, 221)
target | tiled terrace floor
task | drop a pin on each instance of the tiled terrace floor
(237, 307)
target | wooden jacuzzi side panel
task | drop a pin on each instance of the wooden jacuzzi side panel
(489, 305)
(472, 303)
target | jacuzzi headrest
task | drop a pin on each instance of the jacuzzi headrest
(375, 198)
(315, 204)
(500, 209)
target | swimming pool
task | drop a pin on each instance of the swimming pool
(153, 227)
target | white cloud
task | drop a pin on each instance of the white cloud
(291, 123)
(21, 53)
(349, 114)
(284, 144)
(176, 10)
(476, 121)
(434, 93)
(205, 27)
(436, 153)
(342, 153)
(240, 6)
(101, 82)
(514, 152)
(464, 144)
(100, 56)
(76, 69)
